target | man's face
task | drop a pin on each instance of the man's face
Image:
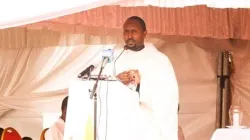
(133, 34)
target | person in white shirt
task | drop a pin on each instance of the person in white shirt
(151, 73)
(56, 131)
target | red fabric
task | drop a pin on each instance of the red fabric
(196, 21)
(11, 134)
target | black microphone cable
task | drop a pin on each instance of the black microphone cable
(125, 48)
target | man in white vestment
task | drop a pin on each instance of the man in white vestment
(56, 131)
(144, 69)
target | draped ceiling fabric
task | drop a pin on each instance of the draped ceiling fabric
(197, 21)
(34, 11)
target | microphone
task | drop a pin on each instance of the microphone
(125, 47)
(86, 71)
(107, 57)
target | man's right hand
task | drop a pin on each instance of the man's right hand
(124, 77)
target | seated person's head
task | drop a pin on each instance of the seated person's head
(26, 138)
(64, 108)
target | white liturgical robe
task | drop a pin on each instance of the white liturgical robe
(56, 131)
(159, 95)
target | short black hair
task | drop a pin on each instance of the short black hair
(26, 138)
(64, 103)
(140, 20)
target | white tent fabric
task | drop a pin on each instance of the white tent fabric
(34, 79)
(31, 11)
(37, 67)
(35, 76)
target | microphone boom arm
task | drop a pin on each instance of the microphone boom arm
(93, 92)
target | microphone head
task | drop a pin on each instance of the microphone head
(107, 53)
(91, 67)
(125, 47)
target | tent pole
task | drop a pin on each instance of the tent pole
(225, 91)
(219, 90)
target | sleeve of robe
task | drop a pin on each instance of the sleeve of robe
(162, 83)
(53, 134)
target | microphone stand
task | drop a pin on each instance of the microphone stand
(93, 94)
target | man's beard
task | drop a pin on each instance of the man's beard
(131, 45)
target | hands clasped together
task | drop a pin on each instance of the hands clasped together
(131, 76)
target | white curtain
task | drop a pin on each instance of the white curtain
(34, 79)
(33, 82)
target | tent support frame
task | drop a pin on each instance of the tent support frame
(223, 89)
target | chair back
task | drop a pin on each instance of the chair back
(42, 137)
(10, 134)
(180, 134)
(1, 132)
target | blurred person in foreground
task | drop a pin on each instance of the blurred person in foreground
(56, 131)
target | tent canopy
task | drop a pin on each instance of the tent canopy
(55, 43)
